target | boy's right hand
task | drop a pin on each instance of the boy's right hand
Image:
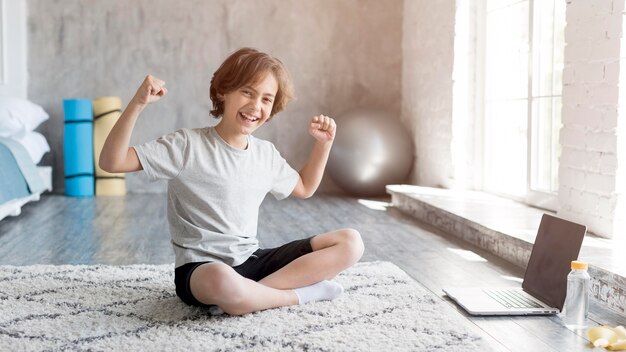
(151, 90)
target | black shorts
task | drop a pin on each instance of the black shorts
(261, 263)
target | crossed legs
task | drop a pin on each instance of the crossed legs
(219, 284)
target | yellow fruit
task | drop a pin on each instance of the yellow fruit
(618, 346)
(620, 331)
(602, 332)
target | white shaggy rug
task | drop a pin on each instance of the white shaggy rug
(134, 308)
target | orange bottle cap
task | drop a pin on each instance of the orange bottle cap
(579, 265)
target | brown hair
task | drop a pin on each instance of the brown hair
(246, 66)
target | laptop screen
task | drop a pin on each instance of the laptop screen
(558, 242)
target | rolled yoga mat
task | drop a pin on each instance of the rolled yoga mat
(106, 111)
(78, 147)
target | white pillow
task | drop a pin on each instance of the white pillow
(35, 143)
(18, 116)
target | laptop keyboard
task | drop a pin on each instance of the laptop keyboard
(512, 298)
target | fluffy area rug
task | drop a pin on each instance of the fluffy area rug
(134, 308)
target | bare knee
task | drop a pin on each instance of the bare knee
(351, 240)
(216, 283)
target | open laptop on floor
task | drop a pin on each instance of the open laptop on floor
(544, 287)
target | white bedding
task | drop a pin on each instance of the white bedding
(36, 145)
(18, 116)
(18, 120)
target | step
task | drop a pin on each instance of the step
(507, 229)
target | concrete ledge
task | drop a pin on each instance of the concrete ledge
(507, 229)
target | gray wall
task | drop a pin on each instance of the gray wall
(427, 82)
(341, 54)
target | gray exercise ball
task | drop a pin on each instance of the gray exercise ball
(371, 149)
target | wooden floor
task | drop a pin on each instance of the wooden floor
(133, 230)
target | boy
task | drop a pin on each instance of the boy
(217, 178)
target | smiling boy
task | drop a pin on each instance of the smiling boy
(218, 177)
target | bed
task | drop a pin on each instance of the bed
(21, 149)
(20, 180)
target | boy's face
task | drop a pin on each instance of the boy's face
(247, 108)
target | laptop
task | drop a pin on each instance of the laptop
(544, 287)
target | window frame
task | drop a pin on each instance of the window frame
(533, 197)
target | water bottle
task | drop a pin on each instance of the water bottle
(577, 300)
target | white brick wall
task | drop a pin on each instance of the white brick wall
(593, 137)
(588, 172)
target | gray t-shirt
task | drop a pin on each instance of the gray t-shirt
(214, 191)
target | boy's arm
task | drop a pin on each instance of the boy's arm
(323, 130)
(116, 155)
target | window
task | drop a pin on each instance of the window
(523, 45)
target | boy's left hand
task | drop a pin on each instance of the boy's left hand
(323, 128)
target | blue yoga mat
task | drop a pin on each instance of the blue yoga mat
(78, 148)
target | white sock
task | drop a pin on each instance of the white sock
(215, 310)
(321, 291)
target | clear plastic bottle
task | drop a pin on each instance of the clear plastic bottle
(577, 300)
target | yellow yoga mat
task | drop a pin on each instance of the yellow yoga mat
(106, 111)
